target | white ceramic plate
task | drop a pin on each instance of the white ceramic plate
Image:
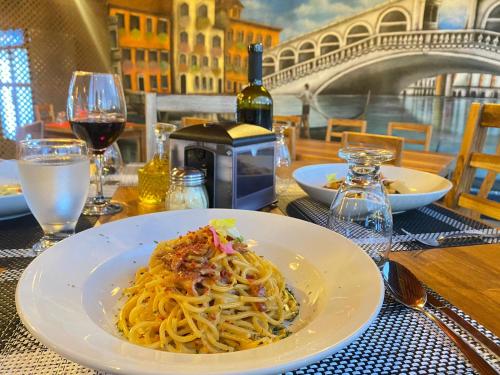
(423, 188)
(11, 206)
(68, 296)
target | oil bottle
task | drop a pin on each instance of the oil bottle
(154, 176)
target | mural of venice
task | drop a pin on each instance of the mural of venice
(397, 60)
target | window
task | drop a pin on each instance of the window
(184, 37)
(194, 60)
(237, 61)
(153, 82)
(216, 42)
(286, 59)
(392, 22)
(204, 83)
(139, 55)
(164, 82)
(162, 27)
(268, 66)
(164, 58)
(153, 56)
(211, 84)
(149, 25)
(127, 82)
(493, 20)
(202, 11)
(16, 103)
(241, 36)
(259, 38)
(228, 85)
(135, 23)
(140, 83)
(250, 38)
(121, 20)
(269, 41)
(182, 59)
(215, 62)
(184, 10)
(126, 54)
(197, 83)
(357, 33)
(329, 43)
(306, 51)
(230, 35)
(200, 39)
(204, 61)
(227, 59)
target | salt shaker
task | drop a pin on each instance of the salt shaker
(187, 189)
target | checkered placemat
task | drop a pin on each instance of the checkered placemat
(400, 341)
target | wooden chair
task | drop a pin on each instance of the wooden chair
(344, 122)
(188, 121)
(481, 117)
(44, 112)
(294, 120)
(413, 127)
(395, 144)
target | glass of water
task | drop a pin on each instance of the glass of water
(55, 177)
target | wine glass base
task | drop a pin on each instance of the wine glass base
(47, 241)
(106, 208)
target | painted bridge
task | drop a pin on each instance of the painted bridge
(385, 49)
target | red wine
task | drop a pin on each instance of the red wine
(98, 135)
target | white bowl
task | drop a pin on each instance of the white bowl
(69, 295)
(425, 187)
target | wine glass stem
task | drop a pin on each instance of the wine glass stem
(99, 197)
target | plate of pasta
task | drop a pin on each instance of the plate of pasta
(200, 291)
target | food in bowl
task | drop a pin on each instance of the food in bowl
(207, 292)
(392, 186)
(10, 189)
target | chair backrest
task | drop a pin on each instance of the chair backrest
(44, 112)
(188, 121)
(415, 128)
(352, 124)
(481, 117)
(394, 144)
(294, 120)
(184, 104)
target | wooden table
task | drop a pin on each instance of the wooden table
(133, 131)
(468, 277)
(327, 152)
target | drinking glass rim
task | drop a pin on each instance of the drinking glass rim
(55, 141)
(366, 154)
(85, 73)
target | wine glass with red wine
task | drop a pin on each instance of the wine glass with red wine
(97, 113)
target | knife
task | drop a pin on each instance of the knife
(475, 333)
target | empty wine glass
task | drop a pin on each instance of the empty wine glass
(282, 159)
(360, 210)
(54, 176)
(97, 113)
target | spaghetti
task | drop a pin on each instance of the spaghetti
(207, 292)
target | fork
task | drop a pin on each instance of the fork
(436, 242)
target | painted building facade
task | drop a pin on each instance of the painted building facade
(198, 62)
(239, 34)
(143, 38)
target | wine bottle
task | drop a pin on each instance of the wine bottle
(254, 104)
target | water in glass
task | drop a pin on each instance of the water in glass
(54, 178)
(282, 159)
(360, 210)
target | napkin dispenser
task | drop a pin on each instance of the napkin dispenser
(237, 159)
